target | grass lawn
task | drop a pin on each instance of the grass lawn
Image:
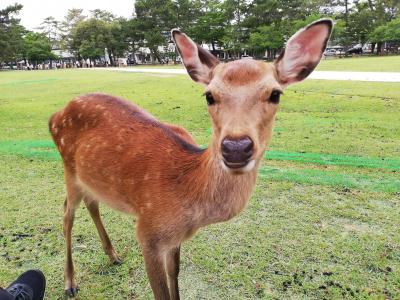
(362, 64)
(323, 222)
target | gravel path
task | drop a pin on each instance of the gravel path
(324, 75)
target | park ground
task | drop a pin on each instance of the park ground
(322, 223)
(358, 63)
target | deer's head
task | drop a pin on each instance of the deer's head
(243, 95)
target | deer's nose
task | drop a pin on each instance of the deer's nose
(237, 151)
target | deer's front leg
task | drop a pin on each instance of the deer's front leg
(172, 263)
(154, 258)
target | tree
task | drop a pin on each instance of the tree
(71, 20)
(186, 13)
(393, 30)
(103, 15)
(37, 48)
(272, 22)
(90, 38)
(155, 18)
(362, 20)
(385, 33)
(51, 28)
(210, 24)
(119, 41)
(268, 38)
(11, 33)
(237, 32)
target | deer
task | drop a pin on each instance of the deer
(116, 153)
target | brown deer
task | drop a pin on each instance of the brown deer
(116, 153)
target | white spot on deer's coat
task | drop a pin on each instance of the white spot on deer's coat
(62, 141)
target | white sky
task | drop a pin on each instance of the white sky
(35, 11)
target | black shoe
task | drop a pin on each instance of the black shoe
(29, 286)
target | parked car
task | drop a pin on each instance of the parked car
(246, 57)
(329, 52)
(367, 50)
(340, 52)
(355, 50)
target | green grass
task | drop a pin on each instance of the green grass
(169, 66)
(323, 222)
(362, 64)
(358, 63)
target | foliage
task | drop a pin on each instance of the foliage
(11, 34)
(235, 27)
(37, 48)
(388, 32)
(267, 37)
(50, 27)
(90, 38)
(211, 23)
(73, 17)
(393, 30)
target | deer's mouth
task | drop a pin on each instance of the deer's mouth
(235, 165)
(241, 167)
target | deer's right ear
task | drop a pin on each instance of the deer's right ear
(197, 60)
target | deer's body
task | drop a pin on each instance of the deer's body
(116, 153)
(144, 167)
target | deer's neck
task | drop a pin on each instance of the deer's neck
(216, 194)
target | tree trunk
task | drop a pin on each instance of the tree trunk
(379, 48)
(112, 60)
(213, 49)
(372, 48)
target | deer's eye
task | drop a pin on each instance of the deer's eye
(275, 96)
(209, 98)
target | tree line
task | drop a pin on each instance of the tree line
(257, 27)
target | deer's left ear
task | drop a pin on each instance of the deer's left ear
(198, 61)
(303, 52)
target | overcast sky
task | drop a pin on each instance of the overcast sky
(35, 11)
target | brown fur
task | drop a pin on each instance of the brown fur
(116, 153)
(242, 72)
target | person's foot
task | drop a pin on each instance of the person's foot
(28, 286)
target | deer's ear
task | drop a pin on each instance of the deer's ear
(303, 52)
(198, 61)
